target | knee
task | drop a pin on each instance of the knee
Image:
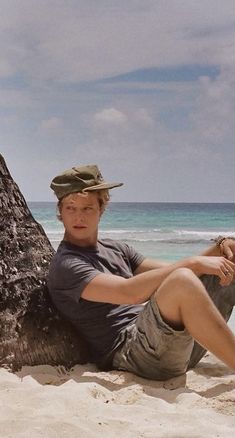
(180, 284)
(183, 276)
(184, 281)
(180, 287)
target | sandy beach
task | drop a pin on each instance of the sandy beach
(50, 402)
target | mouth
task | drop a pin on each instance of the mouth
(80, 227)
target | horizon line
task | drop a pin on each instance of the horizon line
(151, 202)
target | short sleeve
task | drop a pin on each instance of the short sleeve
(70, 277)
(134, 257)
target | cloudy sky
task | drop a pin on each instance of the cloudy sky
(143, 88)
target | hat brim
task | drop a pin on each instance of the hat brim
(102, 186)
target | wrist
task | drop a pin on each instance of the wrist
(219, 243)
(194, 264)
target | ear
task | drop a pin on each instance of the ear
(102, 209)
(59, 217)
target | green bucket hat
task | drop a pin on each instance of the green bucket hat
(80, 179)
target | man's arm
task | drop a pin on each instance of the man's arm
(224, 248)
(213, 251)
(113, 289)
(149, 264)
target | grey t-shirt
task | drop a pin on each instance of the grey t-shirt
(71, 269)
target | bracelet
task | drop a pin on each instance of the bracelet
(219, 241)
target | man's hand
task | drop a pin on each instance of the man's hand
(228, 248)
(220, 266)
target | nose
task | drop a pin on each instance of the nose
(79, 215)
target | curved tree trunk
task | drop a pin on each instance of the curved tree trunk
(31, 330)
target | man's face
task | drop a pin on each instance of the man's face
(80, 214)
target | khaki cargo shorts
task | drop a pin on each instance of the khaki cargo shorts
(151, 348)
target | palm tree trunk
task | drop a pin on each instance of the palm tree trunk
(31, 330)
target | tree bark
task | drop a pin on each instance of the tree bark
(31, 330)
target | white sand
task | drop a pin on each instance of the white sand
(49, 402)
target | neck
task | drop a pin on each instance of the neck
(91, 241)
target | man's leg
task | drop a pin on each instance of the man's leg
(224, 299)
(183, 301)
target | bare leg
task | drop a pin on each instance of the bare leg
(224, 299)
(182, 300)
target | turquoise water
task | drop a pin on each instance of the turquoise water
(166, 231)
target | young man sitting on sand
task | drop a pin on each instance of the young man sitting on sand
(101, 286)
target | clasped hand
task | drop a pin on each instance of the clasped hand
(228, 249)
(220, 266)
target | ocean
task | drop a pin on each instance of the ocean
(165, 231)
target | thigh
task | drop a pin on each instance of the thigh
(152, 348)
(224, 299)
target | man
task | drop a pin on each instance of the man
(101, 287)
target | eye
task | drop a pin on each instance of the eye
(70, 208)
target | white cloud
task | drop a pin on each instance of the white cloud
(88, 40)
(17, 100)
(51, 124)
(5, 68)
(130, 116)
(110, 116)
(213, 114)
(141, 116)
(176, 137)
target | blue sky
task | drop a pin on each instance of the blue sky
(144, 89)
